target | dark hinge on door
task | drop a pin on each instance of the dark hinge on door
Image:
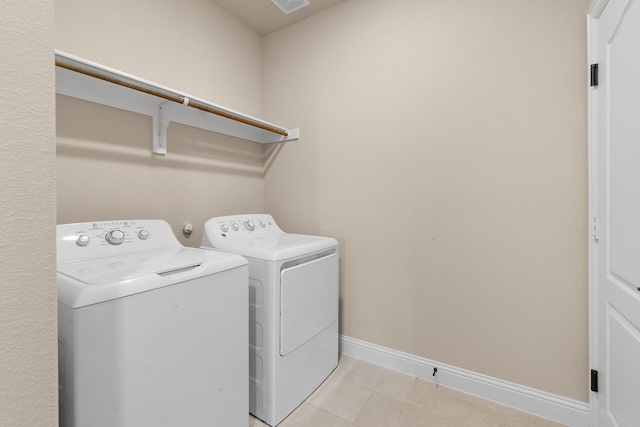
(594, 74)
(594, 228)
(594, 380)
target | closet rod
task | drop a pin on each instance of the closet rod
(175, 98)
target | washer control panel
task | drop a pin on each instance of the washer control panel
(95, 239)
(113, 233)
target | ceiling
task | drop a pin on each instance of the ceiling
(264, 17)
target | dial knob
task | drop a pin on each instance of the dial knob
(235, 226)
(250, 225)
(83, 240)
(224, 228)
(115, 237)
(143, 234)
(262, 223)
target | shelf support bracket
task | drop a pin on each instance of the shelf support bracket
(160, 124)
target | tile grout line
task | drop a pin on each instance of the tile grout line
(355, 422)
(332, 414)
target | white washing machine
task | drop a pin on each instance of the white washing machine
(150, 333)
(293, 310)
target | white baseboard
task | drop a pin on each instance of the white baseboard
(546, 405)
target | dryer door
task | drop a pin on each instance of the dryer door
(308, 301)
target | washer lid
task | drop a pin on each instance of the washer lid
(89, 282)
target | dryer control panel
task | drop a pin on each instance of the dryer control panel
(256, 225)
(223, 230)
(89, 240)
(258, 236)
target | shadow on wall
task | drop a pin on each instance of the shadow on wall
(93, 131)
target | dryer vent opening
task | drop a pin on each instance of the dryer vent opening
(288, 6)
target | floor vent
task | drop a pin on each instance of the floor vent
(288, 6)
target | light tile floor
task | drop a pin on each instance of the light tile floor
(362, 394)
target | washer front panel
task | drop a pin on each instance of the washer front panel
(128, 361)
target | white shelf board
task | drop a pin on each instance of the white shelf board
(82, 86)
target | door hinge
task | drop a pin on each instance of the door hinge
(594, 228)
(594, 75)
(594, 380)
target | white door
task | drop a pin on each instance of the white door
(308, 301)
(616, 178)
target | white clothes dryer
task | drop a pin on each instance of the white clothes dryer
(150, 333)
(293, 309)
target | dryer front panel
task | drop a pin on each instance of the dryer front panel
(308, 301)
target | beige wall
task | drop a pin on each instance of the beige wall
(105, 166)
(444, 145)
(28, 335)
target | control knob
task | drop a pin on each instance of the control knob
(143, 234)
(224, 228)
(250, 225)
(115, 237)
(235, 226)
(262, 223)
(83, 240)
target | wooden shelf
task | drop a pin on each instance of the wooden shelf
(79, 78)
